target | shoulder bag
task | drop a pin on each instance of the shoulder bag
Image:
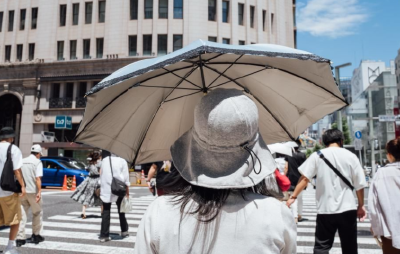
(118, 187)
(344, 179)
(8, 181)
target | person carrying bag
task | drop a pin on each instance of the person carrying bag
(114, 186)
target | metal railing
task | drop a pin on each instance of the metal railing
(60, 103)
(80, 102)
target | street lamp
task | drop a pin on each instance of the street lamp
(337, 75)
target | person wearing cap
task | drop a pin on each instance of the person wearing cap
(219, 202)
(32, 171)
(10, 206)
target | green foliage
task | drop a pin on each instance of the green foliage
(317, 147)
(308, 152)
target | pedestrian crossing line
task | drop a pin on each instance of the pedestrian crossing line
(131, 216)
(135, 211)
(78, 235)
(370, 241)
(311, 218)
(75, 247)
(85, 226)
(97, 220)
(359, 225)
(310, 249)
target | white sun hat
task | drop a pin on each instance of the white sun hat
(224, 148)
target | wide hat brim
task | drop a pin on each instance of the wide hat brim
(11, 135)
(221, 170)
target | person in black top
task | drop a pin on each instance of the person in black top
(157, 173)
(294, 175)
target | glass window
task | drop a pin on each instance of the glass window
(178, 41)
(241, 14)
(31, 51)
(22, 19)
(178, 9)
(72, 49)
(69, 90)
(102, 11)
(147, 43)
(86, 48)
(82, 89)
(242, 42)
(226, 41)
(50, 164)
(60, 50)
(134, 9)
(99, 47)
(63, 14)
(162, 44)
(225, 11)
(212, 38)
(88, 12)
(212, 9)
(264, 17)
(34, 18)
(133, 45)
(148, 9)
(10, 21)
(1, 20)
(162, 9)
(252, 16)
(19, 52)
(55, 90)
(7, 53)
(75, 14)
(272, 23)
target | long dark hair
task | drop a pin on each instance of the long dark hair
(208, 202)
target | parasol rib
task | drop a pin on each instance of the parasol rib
(181, 78)
(225, 71)
(239, 78)
(201, 64)
(247, 91)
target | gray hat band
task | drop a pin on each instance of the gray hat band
(222, 149)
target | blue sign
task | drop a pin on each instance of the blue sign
(358, 134)
(63, 122)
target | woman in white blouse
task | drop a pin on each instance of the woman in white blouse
(383, 201)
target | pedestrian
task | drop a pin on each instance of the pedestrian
(218, 204)
(338, 172)
(10, 204)
(293, 164)
(158, 171)
(383, 201)
(32, 172)
(85, 193)
(112, 167)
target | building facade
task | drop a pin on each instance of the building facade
(397, 70)
(53, 52)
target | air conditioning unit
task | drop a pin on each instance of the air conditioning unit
(48, 137)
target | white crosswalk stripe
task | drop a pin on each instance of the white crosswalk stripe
(82, 234)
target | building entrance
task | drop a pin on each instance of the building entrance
(10, 113)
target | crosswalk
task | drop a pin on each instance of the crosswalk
(68, 232)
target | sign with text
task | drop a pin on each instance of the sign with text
(63, 122)
(358, 144)
(387, 118)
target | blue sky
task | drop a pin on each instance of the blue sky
(349, 30)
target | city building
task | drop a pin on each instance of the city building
(397, 69)
(52, 52)
(345, 88)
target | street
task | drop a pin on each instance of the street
(66, 232)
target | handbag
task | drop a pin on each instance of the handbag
(344, 179)
(118, 187)
(8, 181)
(126, 205)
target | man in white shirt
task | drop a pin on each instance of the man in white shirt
(336, 206)
(10, 206)
(32, 171)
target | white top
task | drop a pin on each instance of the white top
(332, 194)
(39, 168)
(120, 171)
(259, 225)
(281, 164)
(16, 157)
(383, 203)
(32, 168)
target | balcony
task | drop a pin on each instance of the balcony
(80, 102)
(60, 103)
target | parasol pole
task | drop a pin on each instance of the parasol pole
(201, 64)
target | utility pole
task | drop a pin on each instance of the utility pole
(339, 112)
(371, 131)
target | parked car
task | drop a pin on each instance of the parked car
(55, 168)
(76, 163)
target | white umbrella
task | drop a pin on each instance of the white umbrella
(280, 148)
(140, 110)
